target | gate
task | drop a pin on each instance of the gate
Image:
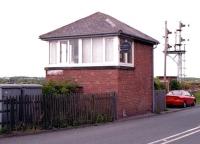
(159, 103)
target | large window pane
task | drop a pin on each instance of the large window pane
(86, 45)
(129, 59)
(125, 55)
(74, 50)
(109, 49)
(64, 51)
(97, 50)
(53, 53)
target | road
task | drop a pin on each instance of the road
(182, 127)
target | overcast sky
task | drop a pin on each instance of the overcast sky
(22, 21)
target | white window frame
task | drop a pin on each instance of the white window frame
(114, 62)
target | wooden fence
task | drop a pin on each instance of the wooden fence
(50, 111)
(19, 112)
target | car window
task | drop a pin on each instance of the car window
(174, 93)
(179, 93)
(187, 93)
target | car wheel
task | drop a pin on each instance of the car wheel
(194, 103)
(184, 105)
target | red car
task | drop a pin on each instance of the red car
(180, 98)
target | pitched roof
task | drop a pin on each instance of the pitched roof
(97, 24)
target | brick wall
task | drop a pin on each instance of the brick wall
(92, 81)
(135, 86)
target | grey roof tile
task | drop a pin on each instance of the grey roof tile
(97, 24)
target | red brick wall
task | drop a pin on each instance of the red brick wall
(135, 86)
(92, 81)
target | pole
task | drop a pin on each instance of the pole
(165, 55)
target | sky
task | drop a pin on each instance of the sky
(22, 53)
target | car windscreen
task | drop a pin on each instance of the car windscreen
(179, 93)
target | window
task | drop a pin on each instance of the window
(125, 54)
(86, 51)
(97, 50)
(63, 51)
(73, 45)
(109, 49)
(53, 52)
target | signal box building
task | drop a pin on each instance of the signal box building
(103, 54)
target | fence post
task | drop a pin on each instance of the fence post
(114, 106)
(12, 117)
(46, 99)
(7, 114)
(93, 108)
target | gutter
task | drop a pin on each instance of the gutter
(76, 36)
(155, 42)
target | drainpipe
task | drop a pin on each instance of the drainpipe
(1, 108)
(153, 99)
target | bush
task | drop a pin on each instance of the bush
(175, 85)
(103, 118)
(158, 85)
(197, 95)
(59, 87)
(186, 85)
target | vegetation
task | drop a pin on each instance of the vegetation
(186, 85)
(50, 87)
(59, 87)
(190, 84)
(103, 118)
(197, 95)
(22, 80)
(192, 80)
(158, 85)
(175, 85)
(3, 130)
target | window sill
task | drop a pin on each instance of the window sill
(91, 66)
(126, 64)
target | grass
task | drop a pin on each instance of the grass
(197, 95)
(3, 130)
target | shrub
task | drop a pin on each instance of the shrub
(197, 95)
(158, 85)
(57, 88)
(175, 85)
(103, 118)
(186, 85)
